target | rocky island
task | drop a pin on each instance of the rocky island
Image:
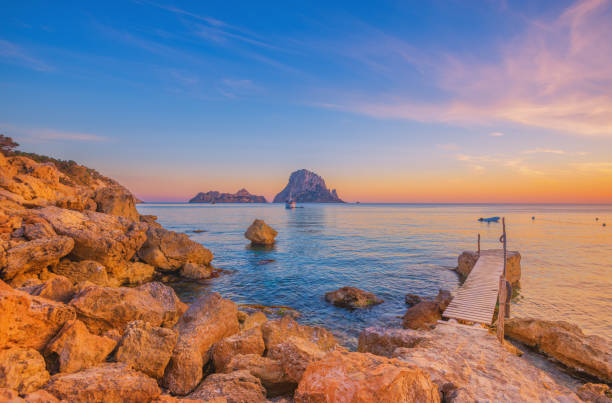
(307, 187)
(241, 196)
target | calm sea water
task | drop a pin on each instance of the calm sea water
(392, 250)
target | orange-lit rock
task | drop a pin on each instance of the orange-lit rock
(269, 371)
(295, 354)
(277, 331)
(236, 387)
(85, 270)
(382, 341)
(116, 200)
(260, 233)
(22, 369)
(169, 250)
(246, 342)
(57, 288)
(33, 256)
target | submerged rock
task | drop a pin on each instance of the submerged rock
(260, 233)
(351, 297)
(113, 383)
(362, 377)
(566, 343)
(22, 369)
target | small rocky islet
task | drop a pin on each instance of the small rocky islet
(84, 318)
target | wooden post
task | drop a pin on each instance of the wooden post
(501, 314)
(479, 244)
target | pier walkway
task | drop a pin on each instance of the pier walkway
(476, 299)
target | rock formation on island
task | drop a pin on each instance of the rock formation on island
(307, 187)
(241, 196)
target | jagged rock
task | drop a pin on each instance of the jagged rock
(74, 348)
(260, 233)
(208, 320)
(594, 392)
(246, 342)
(29, 321)
(269, 371)
(22, 369)
(85, 270)
(307, 187)
(241, 196)
(469, 364)
(35, 255)
(112, 383)
(426, 313)
(359, 377)
(117, 201)
(467, 260)
(353, 298)
(147, 348)
(295, 354)
(104, 308)
(135, 273)
(169, 250)
(236, 387)
(57, 288)
(256, 319)
(381, 341)
(105, 238)
(566, 343)
(195, 271)
(277, 331)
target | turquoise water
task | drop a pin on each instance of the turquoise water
(392, 250)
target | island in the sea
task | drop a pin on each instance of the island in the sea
(307, 187)
(241, 196)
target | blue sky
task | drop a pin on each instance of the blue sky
(389, 101)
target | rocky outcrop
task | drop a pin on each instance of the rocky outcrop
(359, 377)
(236, 387)
(467, 260)
(74, 348)
(113, 383)
(116, 200)
(22, 369)
(107, 239)
(246, 342)
(29, 321)
(105, 308)
(307, 187)
(469, 364)
(426, 313)
(208, 320)
(241, 196)
(169, 250)
(260, 233)
(36, 255)
(277, 331)
(352, 298)
(146, 348)
(566, 343)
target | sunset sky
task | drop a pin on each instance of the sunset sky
(389, 101)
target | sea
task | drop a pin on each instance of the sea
(395, 249)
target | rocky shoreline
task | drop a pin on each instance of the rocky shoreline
(86, 316)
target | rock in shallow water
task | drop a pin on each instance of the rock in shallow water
(351, 297)
(260, 233)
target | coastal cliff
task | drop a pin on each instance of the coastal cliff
(241, 196)
(307, 187)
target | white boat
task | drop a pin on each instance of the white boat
(290, 204)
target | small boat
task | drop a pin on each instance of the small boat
(489, 219)
(290, 204)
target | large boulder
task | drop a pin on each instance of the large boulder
(426, 313)
(74, 348)
(169, 250)
(246, 342)
(260, 233)
(384, 341)
(105, 308)
(208, 320)
(467, 260)
(277, 331)
(134, 273)
(116, 200)
(295, 354)
(33, 256)
(236, 387)
(470, 364)
(22, 369)
(109, 383)
(195, 271)
(107, 239)
(566, 343)
(362, 377)
(85, 270)
(351, 297)
(57, 288)
(146, 348)
(269, 371)
(29, 321)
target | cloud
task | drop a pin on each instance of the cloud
(45, 134)
(603, 167)
(544, 151)
(15, 54)
(496, 134)
(555, 74)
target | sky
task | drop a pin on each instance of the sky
(390, 101)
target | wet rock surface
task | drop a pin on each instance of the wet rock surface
(352, 298)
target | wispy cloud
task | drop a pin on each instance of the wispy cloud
(46, 134)
(13, 53)
(496, 134)
(544, 151)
